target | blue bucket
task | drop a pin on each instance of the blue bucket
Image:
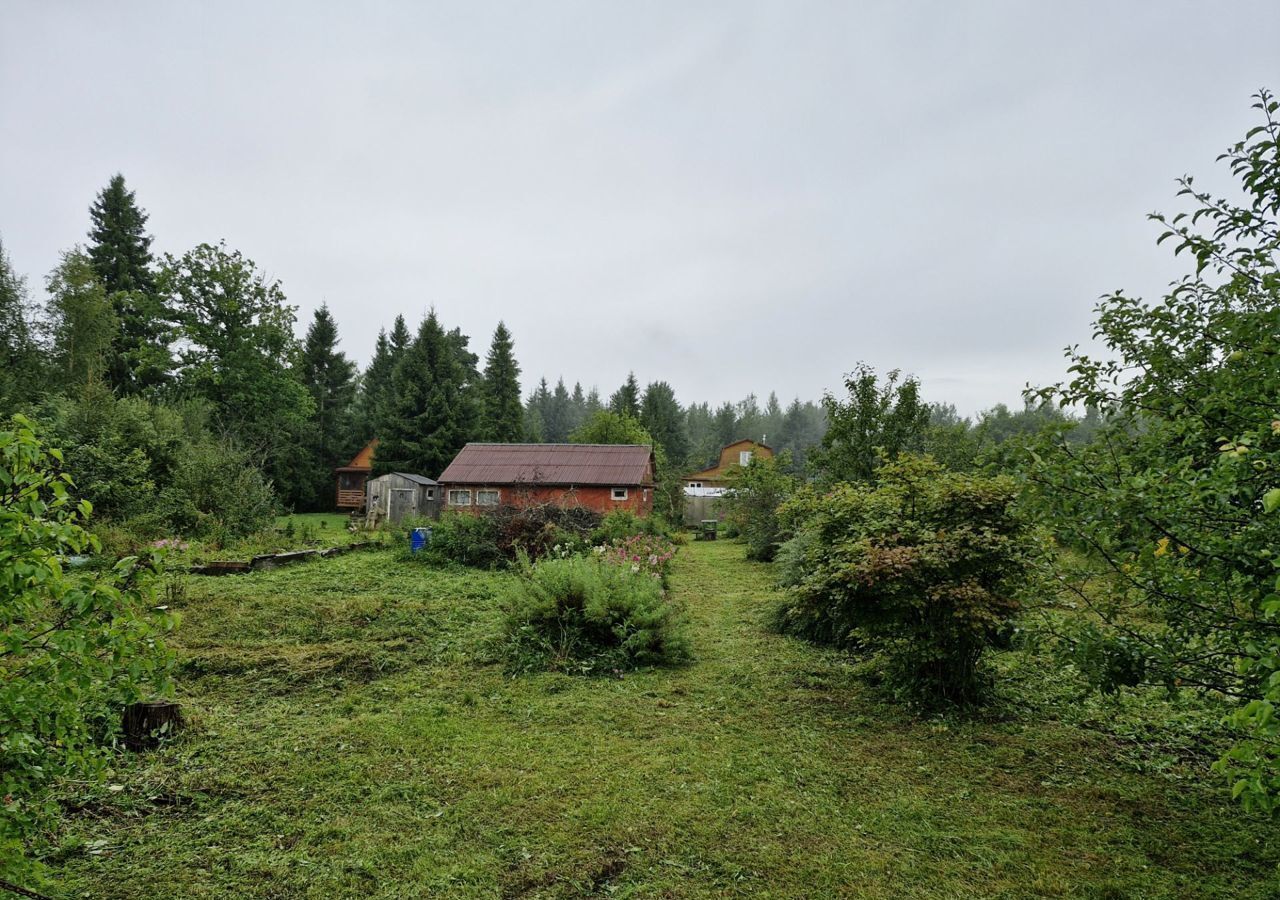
(419, 538)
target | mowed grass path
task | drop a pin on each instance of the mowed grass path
(353, 736)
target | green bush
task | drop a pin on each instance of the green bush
(462, 538)
(155, 470)
(622, 524)
(756, 491)
(924, 568)
(503, 535)
(582, 614)
(76, 646)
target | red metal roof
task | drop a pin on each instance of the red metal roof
(559, 464)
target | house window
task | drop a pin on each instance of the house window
(431, 493)
(619, 493)
(459, 498)
(744, 457)
(695, 484)
(486, 498)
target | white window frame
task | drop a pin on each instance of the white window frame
(744, 457)
(614, 494)
(453, 495)
(695, 484)
(431, 493)
(481, 494)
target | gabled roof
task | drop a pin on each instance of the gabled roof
(362, 461)
(554, 464)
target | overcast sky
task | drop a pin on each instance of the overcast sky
(729, 196)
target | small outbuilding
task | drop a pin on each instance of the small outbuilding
(352, 479)
(602, 477)
(390, 498)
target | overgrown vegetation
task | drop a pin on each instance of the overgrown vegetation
(924, 568)
(1173, 506)
(352, 733)
(757, 491)
(75, 645)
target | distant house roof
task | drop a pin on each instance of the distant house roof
(362, 461)
(551, 464)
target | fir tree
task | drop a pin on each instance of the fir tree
(626, 399)
(400, 339)
(661, 416)
(503, 420)
(725, 425)
(120, 251)
(330, 379)
(431, 419)
(536, 412)
(375, 391)
(558, 420)
(578, 406)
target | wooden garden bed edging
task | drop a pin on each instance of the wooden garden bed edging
(274, 560)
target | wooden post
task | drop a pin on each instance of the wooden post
(145, 723)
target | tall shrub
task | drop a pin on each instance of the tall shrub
(1176, 501)
(756, 491)
(925, 567)
(584, 614)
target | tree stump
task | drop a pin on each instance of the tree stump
(145, 724)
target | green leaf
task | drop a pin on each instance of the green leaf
(1271, 500)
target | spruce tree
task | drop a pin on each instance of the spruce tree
(626, 399)
(330, 379)
(578, 406)
(375, 391)
(661, 416)
(725, 425)
(120, 251)
(503, 418)
(559, 415)
(536, 412)
(431, 418)
(400, 339)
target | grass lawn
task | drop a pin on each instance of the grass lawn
(353, 736)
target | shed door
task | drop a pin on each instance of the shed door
(402, 503)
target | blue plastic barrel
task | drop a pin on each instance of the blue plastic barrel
(419, 538)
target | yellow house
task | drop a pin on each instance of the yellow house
(732, 456)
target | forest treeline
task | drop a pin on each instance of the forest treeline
(185, 402)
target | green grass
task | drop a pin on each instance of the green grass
(353, 736)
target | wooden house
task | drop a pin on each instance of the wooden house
(732, 456)
(391, 497)
(352, 478)
(602, 477)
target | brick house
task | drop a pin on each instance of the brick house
(601, 477)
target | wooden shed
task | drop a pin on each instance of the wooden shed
(391, 497)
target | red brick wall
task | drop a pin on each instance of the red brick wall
(639, 499)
